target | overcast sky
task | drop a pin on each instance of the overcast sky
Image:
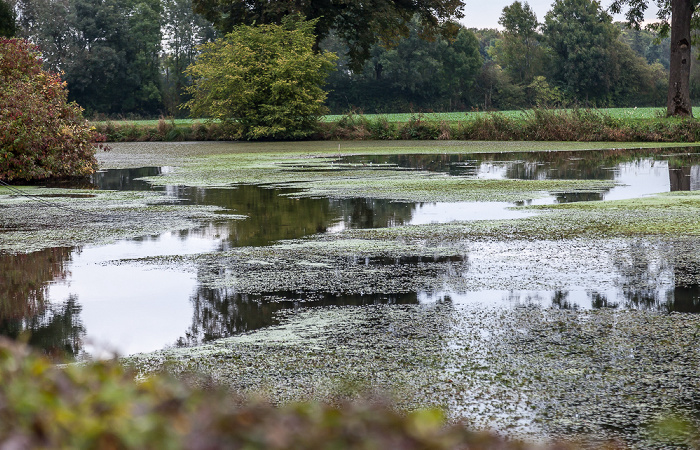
(485, 13)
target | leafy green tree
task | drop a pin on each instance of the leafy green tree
(582, 38)
(487, 38)
(41, 134)
(47, 24)
(114, 65)
(540, 93)
(519, 51)
(183, 31)
(646, 44)
(360, 24)
(8, 27)
(494, 89)
(266, 79)
(432, 72)
(636, 83)
(108, 50)
(416, 73)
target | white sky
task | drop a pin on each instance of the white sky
(478, 14)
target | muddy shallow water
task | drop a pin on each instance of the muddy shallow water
(433, 301)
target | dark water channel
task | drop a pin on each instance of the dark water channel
(73, 300)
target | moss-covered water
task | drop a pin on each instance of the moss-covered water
(488, 279)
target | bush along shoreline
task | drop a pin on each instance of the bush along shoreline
(535, 125)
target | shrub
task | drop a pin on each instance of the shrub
(419, 128)
(41, 134)
(266, 78)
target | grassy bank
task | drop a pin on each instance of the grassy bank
(613, 125)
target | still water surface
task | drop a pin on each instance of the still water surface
(77, 300)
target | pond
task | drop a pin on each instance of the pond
(544, 294)
(97, 299)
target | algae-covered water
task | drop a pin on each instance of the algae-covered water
(514, 285)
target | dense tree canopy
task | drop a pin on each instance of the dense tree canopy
(8, 27)
(519, 50)
(419, 73)
(582, 38)
(129, 57)
(360, 24)
(108, 50)
(266, 79)
(183, 31)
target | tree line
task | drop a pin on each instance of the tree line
(130, 57)
(577, 56)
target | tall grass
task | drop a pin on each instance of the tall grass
(532, 125)
(621, 124)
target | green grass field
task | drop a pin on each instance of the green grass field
(621, 113)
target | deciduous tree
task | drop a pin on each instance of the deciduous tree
(266, 79)
(108, 50)
(582, 38)
(519, 51)
(8, 27)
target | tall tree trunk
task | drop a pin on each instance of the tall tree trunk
(678, 103)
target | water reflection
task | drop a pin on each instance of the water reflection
(678, 299)
(563, 165)
(642, 172)
(62, 298)
(26, 311)
(220, 313)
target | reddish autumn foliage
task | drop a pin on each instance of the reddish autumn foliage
(41, 134)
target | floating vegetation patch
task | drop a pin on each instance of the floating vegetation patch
(73, 217)
(638, 271)
(435, 188)
(335, 267)
(529, 372)
(67, 196)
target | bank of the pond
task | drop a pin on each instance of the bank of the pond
(531, 125)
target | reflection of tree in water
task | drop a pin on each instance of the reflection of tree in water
(24, 310)
(682, 174)
(642, 270)
(220, 313)
(125, 179)
(560, 300)
(57, 331)
(649, 266)
(589, 164)
(373, 213)
(273, 216)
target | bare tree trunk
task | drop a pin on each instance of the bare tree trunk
(678, 103)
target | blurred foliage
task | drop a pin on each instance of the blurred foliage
(100, 405)
(41, 134)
